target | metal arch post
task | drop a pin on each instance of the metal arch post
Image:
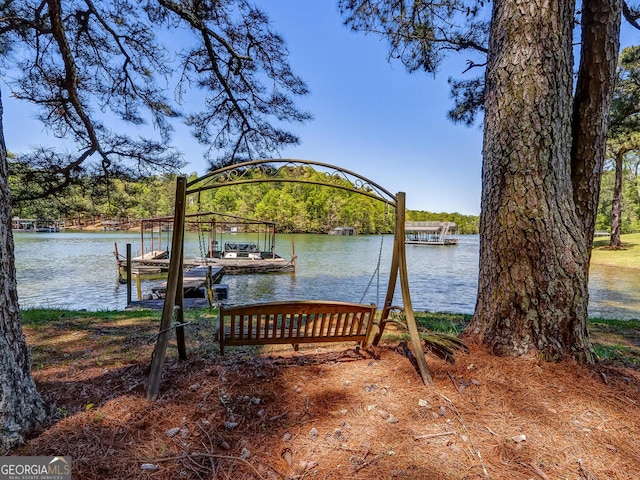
(172, 299)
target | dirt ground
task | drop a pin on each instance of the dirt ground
(325, 413)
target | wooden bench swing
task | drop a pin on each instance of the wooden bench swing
(287, 322)
(294, 322)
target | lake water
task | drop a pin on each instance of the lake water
(78, 271)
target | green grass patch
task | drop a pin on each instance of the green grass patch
(611, 352)
(106, 338)
(621, 326)
(451, 323)
(616, 341)
(35, 317)
(427, 323)
(622, 355)
(628, 256)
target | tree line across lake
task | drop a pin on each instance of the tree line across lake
(295, 207)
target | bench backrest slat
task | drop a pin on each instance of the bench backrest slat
(347, 326)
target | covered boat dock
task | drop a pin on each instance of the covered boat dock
(431, 233)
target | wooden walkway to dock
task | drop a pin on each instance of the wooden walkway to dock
(193, 280)
(144, 264)
(153, 255)
(158, 304)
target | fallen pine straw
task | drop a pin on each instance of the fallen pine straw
(334, 413)
(435, 435)
(193, 455)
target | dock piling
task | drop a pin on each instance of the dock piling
(128, 273)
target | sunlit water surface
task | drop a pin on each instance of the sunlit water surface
(78, 271)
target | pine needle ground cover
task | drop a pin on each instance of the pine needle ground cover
(332, 412)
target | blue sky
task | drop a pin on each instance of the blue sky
(373, 117)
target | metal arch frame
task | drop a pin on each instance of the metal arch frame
(293, 171)
(239, 174)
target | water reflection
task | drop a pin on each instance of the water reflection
(77, 270)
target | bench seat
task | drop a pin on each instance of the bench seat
(294, 322)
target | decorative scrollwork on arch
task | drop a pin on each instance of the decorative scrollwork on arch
(290, 170)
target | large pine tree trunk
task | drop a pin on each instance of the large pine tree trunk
(532, 292)
(594, 90)
(21, 406)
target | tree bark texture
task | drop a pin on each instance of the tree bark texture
(594, 91)
(532, 289)
(616, 204)
(21, 406)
